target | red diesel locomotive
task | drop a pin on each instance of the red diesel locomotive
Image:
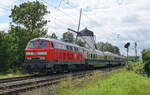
(47, 55)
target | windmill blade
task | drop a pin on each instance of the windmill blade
(79, 20)
(72, 30)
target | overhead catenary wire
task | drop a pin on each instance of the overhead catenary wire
(85, 16)
(66, 14)
(58, 9)
(60, 3)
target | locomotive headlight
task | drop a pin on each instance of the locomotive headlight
(42, 53)
(27, 53)
(28, 58)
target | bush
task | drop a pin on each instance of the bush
(146, 55)
(137, 67)
(146, 60)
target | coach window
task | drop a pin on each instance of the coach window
(71, 48)
(67, 47)
(77, 49)
(52, 45)
(91, 56)
(82, 50)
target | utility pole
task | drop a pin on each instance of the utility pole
(135, 47)
(127, 47)
(127, 53)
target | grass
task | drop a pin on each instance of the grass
(13, 74)
(121, 82)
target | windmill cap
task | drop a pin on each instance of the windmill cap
(86, 32)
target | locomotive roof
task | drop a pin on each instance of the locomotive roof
(58, 41)
(65, 43)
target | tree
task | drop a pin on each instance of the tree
(27, 23)
(68, 37)
(52, 36)
(30, 15)
(108, 47)
(116, 50)
(18, 39)
(146, 60)
(100, 46)
(4, 52)
(146, 56)
(80, 43)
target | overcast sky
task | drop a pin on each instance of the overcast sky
(114, 21)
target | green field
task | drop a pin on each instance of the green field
(120, 82)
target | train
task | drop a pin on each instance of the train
(46, 55)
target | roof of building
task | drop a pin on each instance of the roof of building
(86, 32)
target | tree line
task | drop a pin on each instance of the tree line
(27, 22)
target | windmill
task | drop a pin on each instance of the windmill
(87, 36)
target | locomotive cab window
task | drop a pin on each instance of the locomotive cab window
(32, 44)
(52, 45)
(42, 44)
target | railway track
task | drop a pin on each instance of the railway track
(22, 84)
(15, 79)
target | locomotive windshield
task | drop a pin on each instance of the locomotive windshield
(39, 44)
(42, 44)
(32, 44)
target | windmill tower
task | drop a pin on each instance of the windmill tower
(88, 37)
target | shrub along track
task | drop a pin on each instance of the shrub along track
(21, 84)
